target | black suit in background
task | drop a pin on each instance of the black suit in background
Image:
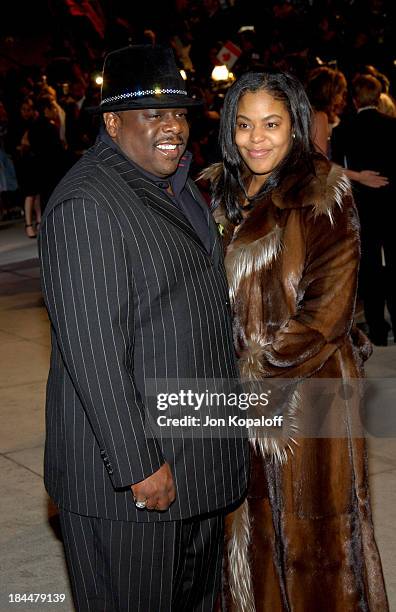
(132, 294)
(367, 142)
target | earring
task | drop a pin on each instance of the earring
(293, 135)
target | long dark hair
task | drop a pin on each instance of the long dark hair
(286, 88)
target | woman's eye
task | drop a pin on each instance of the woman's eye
(272, 124)
(243, 126)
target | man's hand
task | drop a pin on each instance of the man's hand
(158, 490)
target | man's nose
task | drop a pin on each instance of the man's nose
(172, 123)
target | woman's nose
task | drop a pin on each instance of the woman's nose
(257, 134)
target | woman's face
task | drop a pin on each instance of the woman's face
(51, 112)
(340, 99)
(27, 111)
(263, 131)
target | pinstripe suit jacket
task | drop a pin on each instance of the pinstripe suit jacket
(132, 295)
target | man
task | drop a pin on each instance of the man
(134, 284)
(368, 141)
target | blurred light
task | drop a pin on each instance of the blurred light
(183, 75)
(246, 28)
(99, 80)
(220, 73)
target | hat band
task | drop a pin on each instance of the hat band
(145, 92)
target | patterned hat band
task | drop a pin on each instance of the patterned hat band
(145, 92)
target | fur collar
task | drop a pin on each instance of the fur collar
(323, 191)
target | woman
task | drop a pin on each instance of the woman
(303, 539)
(46, 161)
(327, 91)
(27, 169)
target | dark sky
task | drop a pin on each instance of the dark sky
(24, 17)
(28, 16)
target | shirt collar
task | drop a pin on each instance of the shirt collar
(363, 108)
(177, 181)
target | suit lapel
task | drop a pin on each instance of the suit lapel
(155, 199)
(151, 195)
(215, 246)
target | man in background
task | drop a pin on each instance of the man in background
(367, 140)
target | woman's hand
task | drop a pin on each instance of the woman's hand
(370, 178)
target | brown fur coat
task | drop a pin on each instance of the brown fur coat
(303, 539)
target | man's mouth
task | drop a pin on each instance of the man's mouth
(167, 148)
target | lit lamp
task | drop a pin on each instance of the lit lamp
(220, 73)
(98, 79)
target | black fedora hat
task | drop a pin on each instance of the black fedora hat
(142, 76)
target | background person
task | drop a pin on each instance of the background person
(326, 89)
(8, 179)
(303, 539)
(46, 161)
(367, 140)
(26, 168)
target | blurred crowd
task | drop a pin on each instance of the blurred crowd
(45, 123)
(45, 131)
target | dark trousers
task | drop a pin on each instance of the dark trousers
(377, 283)
(118, 566)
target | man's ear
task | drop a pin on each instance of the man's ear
(112, 123)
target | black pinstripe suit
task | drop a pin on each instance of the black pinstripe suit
(132, 294)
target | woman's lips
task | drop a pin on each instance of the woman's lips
(258, 153)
